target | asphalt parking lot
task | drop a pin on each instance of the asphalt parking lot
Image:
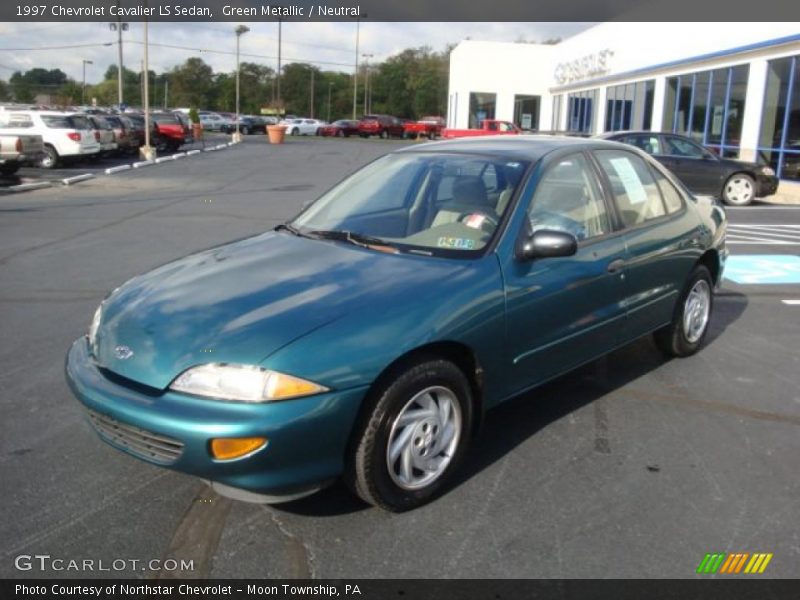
(633, 466)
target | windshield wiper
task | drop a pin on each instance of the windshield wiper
(290, 228)
(358, 239)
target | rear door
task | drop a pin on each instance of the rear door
(565, 311)
(661, 236)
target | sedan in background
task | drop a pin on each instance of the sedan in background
(736, 182)
(303, 126)
(251, 124)
(366, 338)
(341, 128)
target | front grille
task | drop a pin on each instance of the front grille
(144, 444)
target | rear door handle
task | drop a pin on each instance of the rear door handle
(616, 266)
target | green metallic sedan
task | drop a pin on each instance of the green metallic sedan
(366, 338)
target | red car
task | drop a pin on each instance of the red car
(341, 128)
(383, 126)
(169, 132)
(429, 127)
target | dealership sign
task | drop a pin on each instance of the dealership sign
(581, 68)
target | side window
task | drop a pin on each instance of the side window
(672, 197)
(635, 192)
(648, 143)
(568, 198)
(679, 147)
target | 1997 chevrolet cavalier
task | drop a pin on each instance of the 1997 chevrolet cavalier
(366, 337)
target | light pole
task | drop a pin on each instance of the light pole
(119, 27)
(355, 72)
(83, 89)
(280, 100)
(330, 83)
(311, 98)
(240, 30)
(366, 79)
(146, 151)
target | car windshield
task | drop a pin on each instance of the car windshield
(429, 203)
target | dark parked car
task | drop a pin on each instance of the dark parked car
(248, 125)
(367, 337)
(736, 182)
(127, 141)
(135, 124)
(341, 128)
(384, 126)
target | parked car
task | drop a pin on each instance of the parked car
(17, 145)
(169, 133)
(213, 121)
(340, 128)
(736, 182)
(303, 126)
(485, 127)
(366, 337)
(135, 122)
(251, 124)
(66, 136)
(104, 133)
(127, 142)
(429, 127)
(384, 126)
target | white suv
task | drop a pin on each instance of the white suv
(65, 135)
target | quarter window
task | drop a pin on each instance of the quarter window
(568, 199)
(672, 197)
(635, 192)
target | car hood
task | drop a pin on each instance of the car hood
(241, 302)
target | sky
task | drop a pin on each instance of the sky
(329, 45)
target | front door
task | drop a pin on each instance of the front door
(564, 311)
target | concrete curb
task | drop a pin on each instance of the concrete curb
(76, 178)
(117, 169)
(143, 163)
(163, 159)
(22, 187)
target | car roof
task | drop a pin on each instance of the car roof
(523, 147)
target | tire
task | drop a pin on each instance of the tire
(7, 170)
(339, 133)
(685, 334)
(384, 134)
(50, 158)
(363, 135)
(385, 482)
(295, 131)
(318, 132)
(244, 130)
(739, 190)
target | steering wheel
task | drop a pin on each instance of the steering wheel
(488, 218)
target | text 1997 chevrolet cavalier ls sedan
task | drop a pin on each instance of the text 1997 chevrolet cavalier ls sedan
(366, 337)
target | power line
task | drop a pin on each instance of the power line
(55, 47)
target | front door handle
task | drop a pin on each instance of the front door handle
(616, 266)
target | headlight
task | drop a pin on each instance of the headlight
(768, 171)
(98, 314)
(243, 383)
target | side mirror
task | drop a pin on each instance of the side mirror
(547, 243)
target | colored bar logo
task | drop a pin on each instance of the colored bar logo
(734, 563)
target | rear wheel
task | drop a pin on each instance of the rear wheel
(295, 131)
(384, 134)
(49, 159)
(245, 130)
(685, 334)
(415, 436)
(739, 190)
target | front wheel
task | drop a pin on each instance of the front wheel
(685, 334)
(739, 190)
(415, 436)
(384, 134)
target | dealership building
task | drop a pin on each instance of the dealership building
(734, 87)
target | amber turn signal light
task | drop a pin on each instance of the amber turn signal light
(230, 448)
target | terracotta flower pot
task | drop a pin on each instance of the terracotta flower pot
(276, 133)
(197, 130)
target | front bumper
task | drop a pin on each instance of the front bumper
(766, 185)
(307, 437)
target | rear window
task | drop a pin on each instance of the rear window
(165, 119)
(79, 122)
(57, 122)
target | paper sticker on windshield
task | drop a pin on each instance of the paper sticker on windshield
(630, 180)
(456, 243)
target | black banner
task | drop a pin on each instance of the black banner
(404, 589)
(401, 10)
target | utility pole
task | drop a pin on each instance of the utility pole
(119, 27)
(83, 89)
(312, 92)
(240, 31)
(280, 100)
(355, 71)
(147, 152)
(366, 80)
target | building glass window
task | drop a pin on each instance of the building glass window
(581, 108)
(629, 106)
(481, 106)
(526, 111)
(779, 139)
(555, 123)
(708, 106)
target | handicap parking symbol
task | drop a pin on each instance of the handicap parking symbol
(763, 269)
